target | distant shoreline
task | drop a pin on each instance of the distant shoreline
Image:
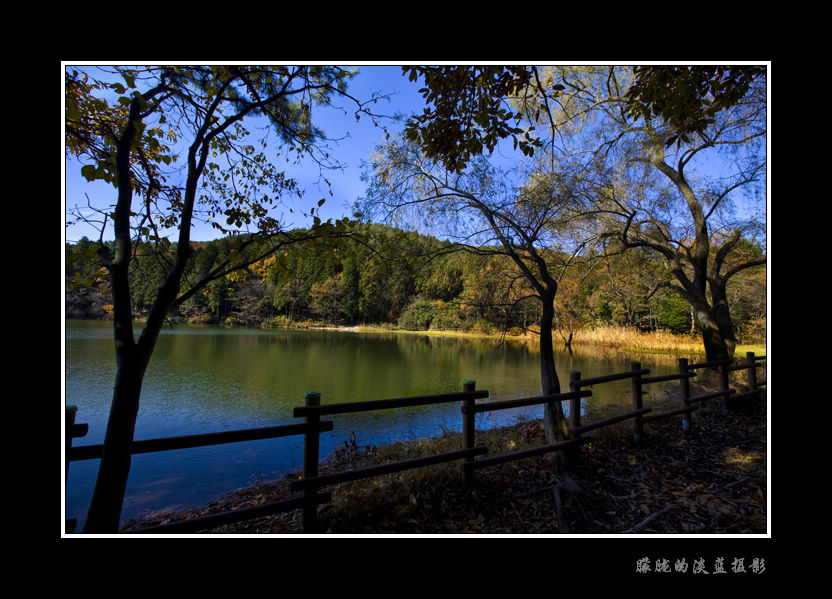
(616, 338)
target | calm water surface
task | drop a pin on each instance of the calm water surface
(206, 379)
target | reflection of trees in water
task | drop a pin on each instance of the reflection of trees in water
(616, 354)
(349, 366)
(508, 368)
(593, 360)
(415, 344)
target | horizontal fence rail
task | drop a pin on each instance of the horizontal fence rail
(610, 420)
(521, 454)
(470, 454)
(86, 452)
(470, 410)
(385, 404)
(614, 377)
(382, 469)
(89, 452)
(522, 402)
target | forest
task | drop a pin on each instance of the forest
(403, 280)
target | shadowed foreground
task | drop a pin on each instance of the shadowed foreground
(711, 480)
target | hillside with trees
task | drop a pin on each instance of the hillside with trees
(404, 280)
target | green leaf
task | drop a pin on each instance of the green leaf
(89, 172)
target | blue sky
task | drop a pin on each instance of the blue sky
(357, 141)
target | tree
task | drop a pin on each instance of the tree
(688, 98)
(467, 112)
(325, 299)
(350, 289)
(709, 251)
(481, 212)
(438, 175)
(678, 199)
(223, 177)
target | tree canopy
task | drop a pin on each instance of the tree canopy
(689, 97)
(467, 111)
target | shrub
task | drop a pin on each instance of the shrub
(417, 316)
(446, 316)
(424, 314)
(673, 314)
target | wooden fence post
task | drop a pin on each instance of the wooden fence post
(70, 433)
(752, 370)
(311, 449)
(69, 422)
(684, 384)
(468, 428)
(574, 415)
(724, 385)
(638, 424)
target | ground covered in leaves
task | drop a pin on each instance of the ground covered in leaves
(709, 480)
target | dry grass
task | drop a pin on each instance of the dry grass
(633, 339)
(607, 336)
(627, 338)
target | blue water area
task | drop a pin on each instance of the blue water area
(212, 379)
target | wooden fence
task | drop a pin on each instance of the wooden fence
(308, 487)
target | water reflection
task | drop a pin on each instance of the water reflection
(206, 379)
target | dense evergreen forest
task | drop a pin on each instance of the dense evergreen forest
(409, 281)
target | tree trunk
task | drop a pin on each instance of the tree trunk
(554, 423)
(716, 347)
(714, 317)
(110, 485)
(722, 316)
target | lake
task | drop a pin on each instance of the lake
(210, 379)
